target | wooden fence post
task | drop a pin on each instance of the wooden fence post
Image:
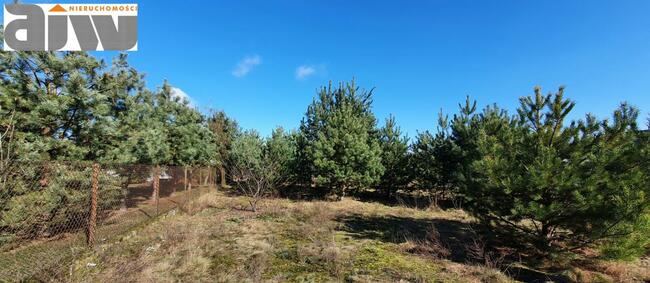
(156, 186)
(92, 215)
(175, 182)
(185, 178)
(191, 174)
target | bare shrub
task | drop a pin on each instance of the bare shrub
(480, 252)
(434, 198)
(430, 245)
(253, 183)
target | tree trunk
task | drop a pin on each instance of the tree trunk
(544, 242)
(156, 187)
(125, 192)
(92, 213)
(189, 185)
(154, 178)
(44, 175)
(253, 204)
(222, 172)
(174, 181)
(185, 178)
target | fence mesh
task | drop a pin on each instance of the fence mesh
(54, 212)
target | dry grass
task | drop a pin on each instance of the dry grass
(217, 240)
(431, 245)
(638, 271)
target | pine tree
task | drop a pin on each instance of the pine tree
(70, 106)
(436, 160)
(551, 182)
(281, 148)
(394, 158)
(224, 130)
(341, 146)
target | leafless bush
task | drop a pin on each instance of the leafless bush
(256, 181)
(434, 198)
(430, 245)
(480, 252)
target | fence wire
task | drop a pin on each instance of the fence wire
(52, 213)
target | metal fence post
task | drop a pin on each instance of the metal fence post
(92, 215)
(156, 186)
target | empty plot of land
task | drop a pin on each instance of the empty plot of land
(296, 241)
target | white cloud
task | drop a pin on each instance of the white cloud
(246, 65)
(177, 92)
(305, 71)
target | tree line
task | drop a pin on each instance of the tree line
(553, 183)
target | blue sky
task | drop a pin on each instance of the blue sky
(262, 61)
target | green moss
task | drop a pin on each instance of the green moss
(287, 265)
(292, 270)
(219, 262)
(370, 261)
(579, 275)
(382, 259)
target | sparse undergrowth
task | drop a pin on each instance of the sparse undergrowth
(289, 241)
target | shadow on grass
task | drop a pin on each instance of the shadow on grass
(394, 229)
(456, 236)
(411, 199)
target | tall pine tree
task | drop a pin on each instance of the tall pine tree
(341, 145)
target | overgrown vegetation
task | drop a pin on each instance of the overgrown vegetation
(58, 110)
(322, 241)
(547, 184)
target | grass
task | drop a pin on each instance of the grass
(288, 241)
(42, 259)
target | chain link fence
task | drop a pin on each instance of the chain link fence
(52, 213)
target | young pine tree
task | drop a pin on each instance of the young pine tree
(281, 149)
(394, 158)
(340, 141)
(435, 161)
(555, 183)
(224, 129)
